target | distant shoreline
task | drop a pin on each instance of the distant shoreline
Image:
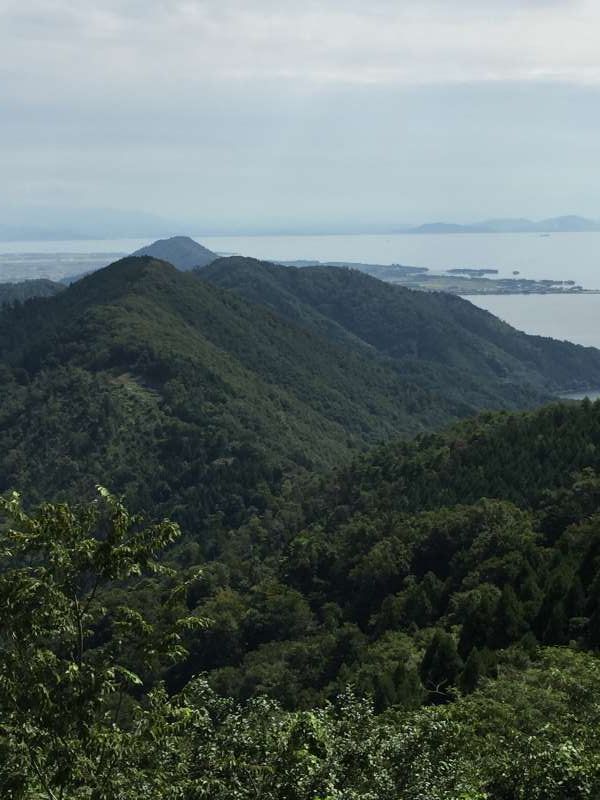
(569, 223)
(495, 293)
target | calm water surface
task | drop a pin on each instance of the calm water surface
(565, 256)
(574, 317)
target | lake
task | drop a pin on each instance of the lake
(564, 256)
(574, 317)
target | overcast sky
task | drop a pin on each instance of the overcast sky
(274, 114)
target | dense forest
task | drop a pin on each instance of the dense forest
(468, 542)
(440, 330)
(317, 573)
(21, 291)
(194, 401)
(353, 641)
(199, 402)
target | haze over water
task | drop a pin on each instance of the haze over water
(565, 256)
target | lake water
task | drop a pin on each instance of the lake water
(573, 317)
(565, 256)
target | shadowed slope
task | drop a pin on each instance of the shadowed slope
(407, 325)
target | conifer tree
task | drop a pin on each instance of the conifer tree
(441, 667)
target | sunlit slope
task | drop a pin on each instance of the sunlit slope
(184, 395)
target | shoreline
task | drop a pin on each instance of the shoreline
(494, 293)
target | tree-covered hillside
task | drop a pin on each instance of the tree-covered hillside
(421, 568)
(436, 328)
(356, 640)
(193, 400)
(423, 621)
(196, 401)
(25, 290)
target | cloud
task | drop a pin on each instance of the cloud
(241, 109)
(125, 46)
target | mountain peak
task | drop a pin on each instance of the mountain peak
(181, 251)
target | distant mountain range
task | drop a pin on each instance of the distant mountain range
(56, 224)
(566, 224)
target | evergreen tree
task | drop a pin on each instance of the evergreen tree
(441, 667)
(509, 623)
(575, 604)
(472, 672)
(557, 627)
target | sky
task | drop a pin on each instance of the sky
(264, 115)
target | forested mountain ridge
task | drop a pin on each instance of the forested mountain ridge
(517, 457)
(185, 394)
(195, 400)
(407, 325)
(26, 290)
(452, 581)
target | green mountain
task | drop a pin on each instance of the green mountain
(452, 581)
(411, 327)
(196, 402)
(190, 398)
(181, 251)
(26, 290)
(421, 566)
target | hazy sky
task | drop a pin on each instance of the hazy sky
(279, 113)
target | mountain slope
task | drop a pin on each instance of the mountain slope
(194, 402)
(408, 326)
(184, 396)
(181, 251)
(420, 566)
(26, 290)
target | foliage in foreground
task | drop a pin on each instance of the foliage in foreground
(77, 722)
(66, 687)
